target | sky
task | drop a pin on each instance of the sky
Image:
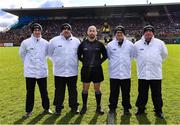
(7, 20)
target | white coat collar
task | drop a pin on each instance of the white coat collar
(118, 41)
(36, 39)
(143, 40)
(70, 38)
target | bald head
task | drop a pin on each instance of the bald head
(92, 32)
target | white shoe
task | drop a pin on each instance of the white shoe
(48, 111)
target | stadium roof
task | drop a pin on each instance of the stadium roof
(94, 10)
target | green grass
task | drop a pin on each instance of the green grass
(12, 95)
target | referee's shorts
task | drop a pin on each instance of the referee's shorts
(94, 74)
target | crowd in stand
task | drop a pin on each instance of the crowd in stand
(133, 26)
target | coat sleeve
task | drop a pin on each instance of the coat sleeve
(80, 52)
(132, 52)
(50, 49)
(46, 50)
(104, 53)
(22, 51)
(164, 51)
(135, 51)
(108, 51)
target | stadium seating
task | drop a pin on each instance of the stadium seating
(165, 29)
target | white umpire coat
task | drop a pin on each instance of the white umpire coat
(149, 58)
(120, 59)
(33, 52)
(63, 53)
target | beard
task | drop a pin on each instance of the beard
(148, 37)
(92, 36)
(67, 35)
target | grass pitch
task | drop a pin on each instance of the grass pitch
(12, 95)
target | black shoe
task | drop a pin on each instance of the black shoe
(57, 112)
(75, 111)
(27, 115)
(48, 111)
(139, 112)
(83, 110)
(111, 117)
(112, 111)
(99, 110)
(126, 112)
(159, 115)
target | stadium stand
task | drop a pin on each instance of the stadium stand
(164, 17)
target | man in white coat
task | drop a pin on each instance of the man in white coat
(33, 52)
(120, 53)
(149, 54)
(63, 52)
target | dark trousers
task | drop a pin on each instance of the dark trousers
(60, 87)
(30, 88)
(115, 85)
(143, 88)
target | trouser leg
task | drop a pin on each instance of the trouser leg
(114, 93)
(30, 87)
(72, 90)
(143, 87)
(42, 83)
(125, 90)
(60, 87)
(156, 95)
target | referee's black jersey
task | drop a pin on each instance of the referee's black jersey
(92, 54)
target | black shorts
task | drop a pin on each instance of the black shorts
(94, 74)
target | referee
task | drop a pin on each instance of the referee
(92, 54)
(120, 53)
(33, 52)
(149, 54)
(63, 52)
